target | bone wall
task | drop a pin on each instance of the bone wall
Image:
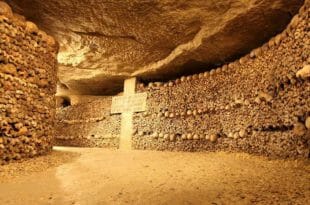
(88, 123)
(258, 104)
(27, 87)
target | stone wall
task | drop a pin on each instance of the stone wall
(27, 87)
(258, 104)
(88, 123)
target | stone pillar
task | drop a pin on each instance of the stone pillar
(126, 122)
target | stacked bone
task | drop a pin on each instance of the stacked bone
(93, 127)
(258, 104)
(27, 87)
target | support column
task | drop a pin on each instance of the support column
(127, 117)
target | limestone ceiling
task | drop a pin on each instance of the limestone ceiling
(103, 42)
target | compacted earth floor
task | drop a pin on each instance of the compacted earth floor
(77, 176)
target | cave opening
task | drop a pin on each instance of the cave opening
(66, 102)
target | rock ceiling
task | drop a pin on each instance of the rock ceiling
(104, 42)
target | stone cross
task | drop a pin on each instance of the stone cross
(126, 105)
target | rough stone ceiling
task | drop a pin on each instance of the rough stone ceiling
(104, 42)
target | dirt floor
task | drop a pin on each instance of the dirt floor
(74, 176)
